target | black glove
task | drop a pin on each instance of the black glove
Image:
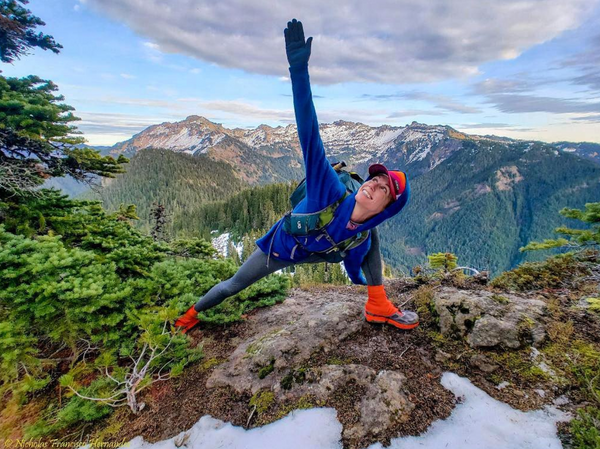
(298, 51)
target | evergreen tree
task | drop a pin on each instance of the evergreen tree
(17, 36)
(580, 238)
(158, 215)
(37, 140)
(443, 261)
(232, 253)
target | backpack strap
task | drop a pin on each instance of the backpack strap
(305, 224)
(337, 251)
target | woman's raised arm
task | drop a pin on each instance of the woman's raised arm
(322, 184)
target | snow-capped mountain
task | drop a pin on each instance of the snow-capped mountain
(266, 154)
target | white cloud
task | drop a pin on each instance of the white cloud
(243, 109)
(128, 76)
(108, 128)
(389, 41)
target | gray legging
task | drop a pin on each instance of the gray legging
(255, 268)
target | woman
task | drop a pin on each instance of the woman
(381, 197)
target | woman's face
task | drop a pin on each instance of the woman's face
(374, 195)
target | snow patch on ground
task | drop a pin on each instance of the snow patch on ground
(483, 422)
(478, 421)
(221, 244)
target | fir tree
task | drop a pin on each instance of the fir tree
(17, 36)
(580, 238)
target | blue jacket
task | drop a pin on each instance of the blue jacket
(322, 189)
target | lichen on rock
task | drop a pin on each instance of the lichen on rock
(486, 321)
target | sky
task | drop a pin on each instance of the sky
(525, 69)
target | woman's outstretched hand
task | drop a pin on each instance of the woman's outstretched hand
(297, 50)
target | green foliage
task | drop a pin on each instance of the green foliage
(253, 210)
(459, 207)
(443, 261)
(424, 300)
(73, 273)
(29, 107)
(266, 292)
(585, 428)
(192, 247)
(555, 272)
(594, 304)
(262, 400)
(306, 275)
(64, 293)
(76, 410)
(17, 31)
(17, 350)
(579, 362)
(499, 299)
(579, 237)
(180, 182)
(38, 141)
(266, 370)
(36, 137)
(85, 225)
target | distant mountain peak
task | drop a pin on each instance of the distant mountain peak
(357, 143)
(347, 123)
(198, 118)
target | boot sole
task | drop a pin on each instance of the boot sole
(376, 319)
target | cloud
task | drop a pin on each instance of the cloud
(239, 108)
(588, 118)
(106, 128)
(515, 104)
(504, 86)
(485, 125)
(442, 102)
(590, 78)
(387, 41)
(518, 95)
(128, 76)
(151, 45)
(412, 112)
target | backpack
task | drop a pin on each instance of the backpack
(314, 223)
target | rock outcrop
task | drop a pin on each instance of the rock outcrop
(285, 338)
(487, 319)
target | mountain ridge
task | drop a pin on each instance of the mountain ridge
(421, 145)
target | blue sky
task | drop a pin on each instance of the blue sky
(524, 69)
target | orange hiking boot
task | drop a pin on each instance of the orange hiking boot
(380, 310)
(188, 320)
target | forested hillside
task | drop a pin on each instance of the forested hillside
(179, 182)
(254, 209)
(483, 204)
(486, 202)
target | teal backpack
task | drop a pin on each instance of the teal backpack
(314, 223)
